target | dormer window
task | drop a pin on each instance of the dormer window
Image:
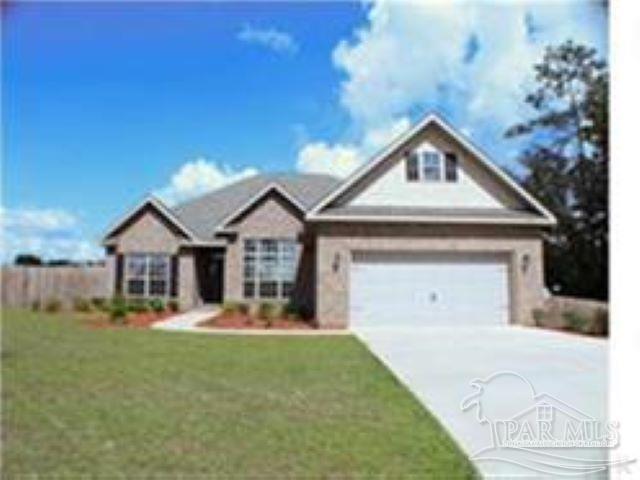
(431, 166)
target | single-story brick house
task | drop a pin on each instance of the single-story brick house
(427, 232)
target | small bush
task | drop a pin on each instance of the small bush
(138, 305)
(230, 308)
(538, 317)
(601, 322)
(118, 310)
(82, 305)
(243, 308)
(173, 305)
(269, 311)
(157, 305)
(293, 311)
(36, 306)
(53, 305)
(100, 303)
(575, 321)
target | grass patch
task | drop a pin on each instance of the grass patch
(134, 403)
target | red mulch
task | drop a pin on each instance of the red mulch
(243, 321)
(134, 320)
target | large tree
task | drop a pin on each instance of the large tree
(567, 165)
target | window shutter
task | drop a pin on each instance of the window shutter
(451, 167)
(411, 161)
(119, 273)
(174, 275)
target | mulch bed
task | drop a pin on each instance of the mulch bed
(243, 321)
(134, 320)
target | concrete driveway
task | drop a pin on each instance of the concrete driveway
(567, 372)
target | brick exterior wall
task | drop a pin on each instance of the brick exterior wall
(149, 232)
(273, 217)
(332, 289)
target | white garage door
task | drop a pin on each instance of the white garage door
(430, 289)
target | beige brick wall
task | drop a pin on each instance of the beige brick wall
(149, 232)
(332, 289)
(273, 217)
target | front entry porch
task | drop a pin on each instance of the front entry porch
(209, 267)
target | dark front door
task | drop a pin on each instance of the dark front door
(210, 268)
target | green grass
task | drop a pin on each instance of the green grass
(130, 403)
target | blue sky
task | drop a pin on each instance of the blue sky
(103, 103)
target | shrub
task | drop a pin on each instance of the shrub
(601, 322)
(230, 308)
(538, 317)
(243, 308)
(82, 305)
(100, 303)
(138, 305)
(293, 311)
(35, 306)
(52, 305)
(118, 310)
(173, 305)
(269, 311)
(575, 321)
(157, 305)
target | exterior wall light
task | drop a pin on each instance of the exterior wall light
(525, 262)
(335, 265)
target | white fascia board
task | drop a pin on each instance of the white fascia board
(434, 219)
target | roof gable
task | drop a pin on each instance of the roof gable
(157, 206)
(381, 181)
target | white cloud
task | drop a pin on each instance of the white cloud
(342, 159)
(471, 60)
(199, 176)
(338, 159)
(413, 55)
(48, 233)
(271, 38)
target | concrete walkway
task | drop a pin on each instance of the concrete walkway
(187, 321)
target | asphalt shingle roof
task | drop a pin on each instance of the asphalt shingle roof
(203, 215)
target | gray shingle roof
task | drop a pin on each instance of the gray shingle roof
(204, 214)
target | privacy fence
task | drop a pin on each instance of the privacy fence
(25, 286)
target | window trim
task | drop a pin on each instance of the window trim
(147, 278)
(255, 280)
(419, 156)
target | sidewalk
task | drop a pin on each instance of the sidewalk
(187, 321)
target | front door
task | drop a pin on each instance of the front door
(210, 271)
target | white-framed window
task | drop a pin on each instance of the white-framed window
(147, 275)
(270, 266)
(431, 166)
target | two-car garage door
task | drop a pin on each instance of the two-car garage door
(428, 289)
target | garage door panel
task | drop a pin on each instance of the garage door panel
(428, 289)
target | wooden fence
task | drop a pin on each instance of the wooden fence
(25, 286)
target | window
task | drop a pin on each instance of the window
(270, 267)
(412, 168)
(450, 167)
(432, 166)
(147, 275)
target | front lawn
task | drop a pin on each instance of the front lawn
(132, 403)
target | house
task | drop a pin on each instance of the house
(428, 232)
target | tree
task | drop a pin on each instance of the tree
(27, 259)
(567, 165)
